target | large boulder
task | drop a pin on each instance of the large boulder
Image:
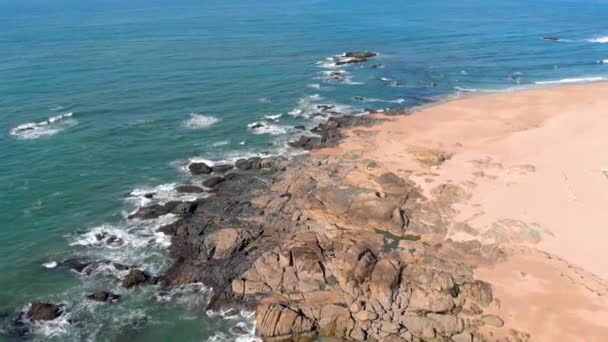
(225, 242)
(199, 169)
(44, 311)
(137, 278)
(278, 320)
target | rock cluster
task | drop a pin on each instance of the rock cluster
(315, 254)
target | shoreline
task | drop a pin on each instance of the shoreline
(393, 227)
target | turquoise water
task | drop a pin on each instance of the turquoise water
(152, 84)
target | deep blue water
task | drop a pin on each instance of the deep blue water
(132, 73)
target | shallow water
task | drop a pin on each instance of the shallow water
(153, 84)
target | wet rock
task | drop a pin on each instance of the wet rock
(359, 98)
(137, 278)
(551, 38)
(213, 181)
(360, 54)
(189, 189)
(44, 311)
(248, 164)
(222, 168)
(300, 127)
(156, 210)
(103, 296)
(199, 169)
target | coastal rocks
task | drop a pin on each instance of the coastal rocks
(353, 57)
(222, 168)
(156, 210)
(199, 169)
(225, 242)
(278, 321)
(328, 247)
(213, 181)
(103, 296)
(137, 278)
(189, 189)
(44, 311)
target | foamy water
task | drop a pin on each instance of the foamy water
(200, 121)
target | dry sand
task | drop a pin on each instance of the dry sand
(530, 165)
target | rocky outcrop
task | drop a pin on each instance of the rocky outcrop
(137, 278)
(199, 169)
(103, 296)
(44, 311)
(315, 255)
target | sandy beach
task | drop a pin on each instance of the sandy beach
(531, 177)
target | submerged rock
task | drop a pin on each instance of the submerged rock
(103, 296)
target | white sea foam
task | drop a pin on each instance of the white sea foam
(48, 127)
(265, 127)
(274, 117)
(337, 76)
(220, 143)
(49, 264)
(603, 61)
(243, 329)
(264, 100)
(601, 40)
(200, 121)
(391, 83)
(314, 85)
(366, 99)
(572, 80)
(312, 105)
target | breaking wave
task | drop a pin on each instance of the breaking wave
(200, 121)
(48, 127)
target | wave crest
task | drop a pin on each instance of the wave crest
(200, 121)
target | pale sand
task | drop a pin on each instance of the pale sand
(531, 164)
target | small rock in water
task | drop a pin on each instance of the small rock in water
(199, 169)
(103, 296)
(551, 38)
(44, 311)
(136, 278)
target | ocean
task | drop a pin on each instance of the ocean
(104, 101)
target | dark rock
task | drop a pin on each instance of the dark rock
(213, 181)
(137, 278)
(360, 54)
(243, 164)
(149, 195)
(551, 38)
(256, 125)
(44, 311)
(359, 98)
(190, 189)
(377, 66)
(199, 169)
(222, 168)
(299, 127)
(103, 296)
(156, 210)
